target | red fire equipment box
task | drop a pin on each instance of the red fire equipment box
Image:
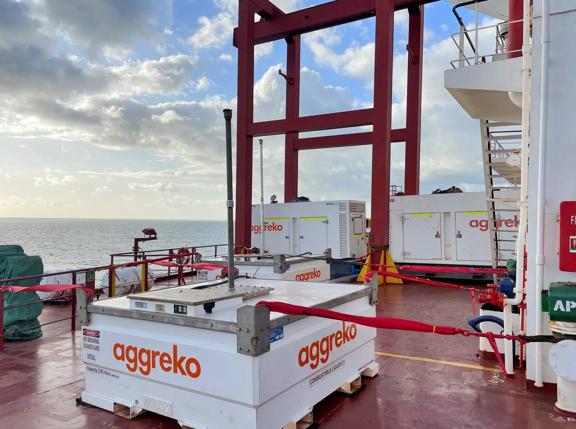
(568, 236)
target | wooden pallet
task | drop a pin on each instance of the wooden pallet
(127, 412)
(305, 422)
(351, 388)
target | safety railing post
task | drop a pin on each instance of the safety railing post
(1, 321)
(73, 305)
(461, 47)
(111, 282)
(144, 280)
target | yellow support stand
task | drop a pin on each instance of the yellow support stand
(365, 268)
(389, 266)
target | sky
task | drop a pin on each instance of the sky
(113, 108)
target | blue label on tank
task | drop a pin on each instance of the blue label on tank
(276, 334)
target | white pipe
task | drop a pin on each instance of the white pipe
(541, 202)
(476, 54)
(261, 196)
(519, 287)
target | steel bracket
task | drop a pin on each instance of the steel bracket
(373, 297)
(280, 265)
(253, 336)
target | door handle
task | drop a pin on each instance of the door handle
(437, 234)
(458, 234)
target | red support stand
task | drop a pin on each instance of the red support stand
(276, 25)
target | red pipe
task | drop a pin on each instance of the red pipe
(515, 30)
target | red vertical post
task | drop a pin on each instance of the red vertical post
(381, 141)
(414, 100)
(245, 118)
(292, 112)
(515, 29)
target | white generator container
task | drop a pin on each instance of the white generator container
(210, 358)
(314, 227)
(450, 229)
(272, 267)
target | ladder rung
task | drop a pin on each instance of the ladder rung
(502, 210)
(502, 124)
(495, 151)
(500, 188)
(509, 137)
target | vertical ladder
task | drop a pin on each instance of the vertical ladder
(501, 151)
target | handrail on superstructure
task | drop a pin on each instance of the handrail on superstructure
(461, 21)
(465, 31)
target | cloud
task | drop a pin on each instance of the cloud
(57, 179)
(104, 24)
(16, 26)
(216, 31)
(203, 84)
(156, 187)
(167, 75)
(20, 202)
(225, 57)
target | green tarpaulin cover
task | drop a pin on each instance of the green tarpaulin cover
(21, 309)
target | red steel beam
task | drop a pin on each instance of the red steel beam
(381, 133)
(328, 121)
(266, 9)
(245, 117)
(414, 100)
(292, 113)
(318, 17)
(343, 140)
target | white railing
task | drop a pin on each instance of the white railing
(469, 46)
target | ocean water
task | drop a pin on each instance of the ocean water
(80, 243)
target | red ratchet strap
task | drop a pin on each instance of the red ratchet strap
(472, 290)
(198, 266)
(47, 288)
(451, 269)
(390, 323)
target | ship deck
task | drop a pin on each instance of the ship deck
(425, 381)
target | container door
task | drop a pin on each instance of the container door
(472, 237)
(422, 236)
(312, 234)
(277, 232)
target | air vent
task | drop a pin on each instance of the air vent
(357, 207)
(343, 232)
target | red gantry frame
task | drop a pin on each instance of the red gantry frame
(276, 25)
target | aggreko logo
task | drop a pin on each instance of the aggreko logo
(319, 351)
(482, 225)
(309, 275)
(269, 227)
(145, 360)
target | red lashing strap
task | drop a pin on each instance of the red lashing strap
(390, 323)
(46, 288)
(429, 282)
